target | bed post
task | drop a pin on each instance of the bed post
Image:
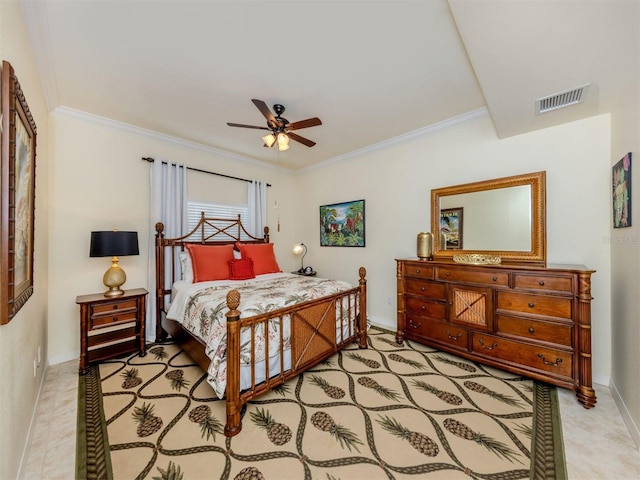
(362, 318)
(234, 405)
(159, 281)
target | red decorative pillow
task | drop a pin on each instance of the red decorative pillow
(210, 262)
(263, 256)
(241, 269)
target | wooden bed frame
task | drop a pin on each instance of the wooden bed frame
(312, 323)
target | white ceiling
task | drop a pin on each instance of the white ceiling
(372, 71)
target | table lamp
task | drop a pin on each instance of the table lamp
(297, 250)
(114, 243)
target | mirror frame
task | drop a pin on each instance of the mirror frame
(538, 252)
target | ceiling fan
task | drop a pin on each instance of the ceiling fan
(279, 127)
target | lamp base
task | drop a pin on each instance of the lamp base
(114, 278)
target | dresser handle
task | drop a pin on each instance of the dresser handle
(546, 362)
(531, 305)
(423, 289)
(115, 307)
(417, 272)
(493, 345)
(541, 283)
(451, 336)
(447, 274)
(531, 330)
(414, 325)
(495, 279)
(423, 307)
(115, 319)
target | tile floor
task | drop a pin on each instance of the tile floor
(51, 453)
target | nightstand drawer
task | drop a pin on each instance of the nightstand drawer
(113, 307)
(418, 270)
(113, 319)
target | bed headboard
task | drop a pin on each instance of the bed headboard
(208, 231)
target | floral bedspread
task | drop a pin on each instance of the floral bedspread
(201, 308)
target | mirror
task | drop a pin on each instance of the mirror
(505, 217)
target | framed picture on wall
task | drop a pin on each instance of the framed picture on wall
(342, 224)
(621, 185)
(18, 179)
(451, 223)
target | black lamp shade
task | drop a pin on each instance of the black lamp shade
(113, 243)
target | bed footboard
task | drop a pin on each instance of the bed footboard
(318, 329)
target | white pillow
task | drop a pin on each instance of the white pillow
(187, 267)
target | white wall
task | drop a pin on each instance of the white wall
(99, 181)
(20, 338)
(396, 183)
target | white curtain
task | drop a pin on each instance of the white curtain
(257, 202)
(168, 204)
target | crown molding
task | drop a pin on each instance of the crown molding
(144, 132)
(454, 122)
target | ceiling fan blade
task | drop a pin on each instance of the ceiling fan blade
(265, 111)
(309, 122)
(246, 126)
(298, 138)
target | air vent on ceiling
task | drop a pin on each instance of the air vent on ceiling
(562, 99)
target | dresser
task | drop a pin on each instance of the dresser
(530, 320)
(111, 326)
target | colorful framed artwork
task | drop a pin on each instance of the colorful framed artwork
(621, 185)
(17, 200)
(342, 224)
(451, 228)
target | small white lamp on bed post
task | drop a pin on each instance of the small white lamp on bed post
(297, 250)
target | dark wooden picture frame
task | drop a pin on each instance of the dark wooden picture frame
(17, 200)
(342, 224)
(621, 192)
(451, 228)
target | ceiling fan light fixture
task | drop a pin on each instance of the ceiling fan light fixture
(269, 140)
(282, 147)
(283, 139)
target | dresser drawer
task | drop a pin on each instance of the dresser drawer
(529, 304)
(425, 288)
(106, 335)
(558, 333)
(442, 332)
(417, 307)
(473, 275)
(547, 283)
(418, 270)
(544, 359)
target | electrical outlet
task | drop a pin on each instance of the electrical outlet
(35, 368)
(389, 300)
(39, 356)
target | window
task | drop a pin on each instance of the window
(214, 210)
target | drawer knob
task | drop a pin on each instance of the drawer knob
(493, 345)
(541, 283)
(115, 307)
(423, 289)
(417, 271)
(531, 330)
(547, 362)
(495, 279)
(447, 274)
(115, 319)
(423, 307)
(452, 337)
(531, 304)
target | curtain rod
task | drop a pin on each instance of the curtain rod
(151, 160)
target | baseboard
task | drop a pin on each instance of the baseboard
(32, 425)
(626, 416)
(64, 358)
(383, 323)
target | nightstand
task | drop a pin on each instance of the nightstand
(111, 326)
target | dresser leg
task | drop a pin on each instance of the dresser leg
(586, 396)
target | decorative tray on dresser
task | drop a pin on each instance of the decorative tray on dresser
(531, 320)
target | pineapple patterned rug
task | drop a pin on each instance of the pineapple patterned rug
(387, 412)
